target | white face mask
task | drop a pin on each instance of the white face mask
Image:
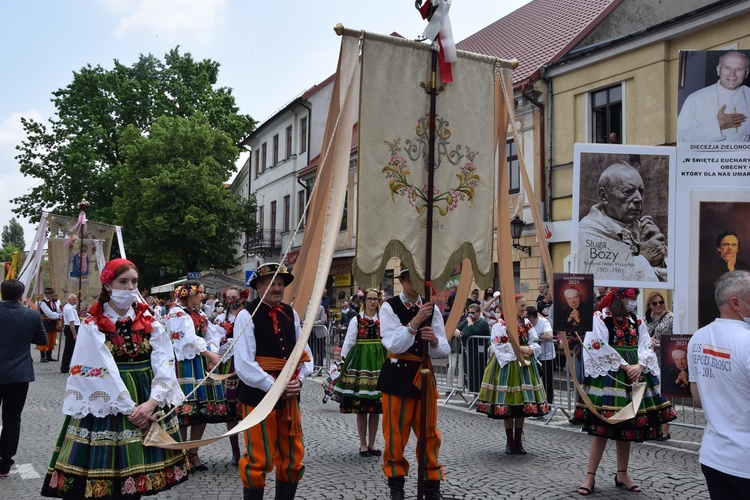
(219, 309)
(632, 304)
(747, 320)
(122, 299)
(344, 310)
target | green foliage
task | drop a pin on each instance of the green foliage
(79, 153)
(6, 253)
(174, 205)
(13, 234)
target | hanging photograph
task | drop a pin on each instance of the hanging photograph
(622, 199)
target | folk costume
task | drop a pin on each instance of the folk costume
(268, 337)
(355, 388)
(191, 334)
(615, 342)
(226, 321)
(401, 385)
(509, 389)
(52, 318)
(334, 370)
(118, 363)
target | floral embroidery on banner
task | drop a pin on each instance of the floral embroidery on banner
(398, 169)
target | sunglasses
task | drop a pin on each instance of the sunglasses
(657, 303)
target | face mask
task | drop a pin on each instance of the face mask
(233, 303)
(632, 304)
(219, 309)
(747, 320)
(122, 299)
(345, 310)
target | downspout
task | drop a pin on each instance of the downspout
(539, 105)
(548, 202)
(306, 187)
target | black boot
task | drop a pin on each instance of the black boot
(396, 484)
(519, 441)
(285, 491)
(510, 448)
(49, 356)
(432, 490)
(248, 494)
(44, 356)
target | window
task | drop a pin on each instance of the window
(275, 150)
(260, 219)
(264, 148)
(301, 206)
(303, 135)
(273, 223)
(288, 142)
(257, 163)
(514, 170)
(344, 218)
(606, 115)
(287, 206)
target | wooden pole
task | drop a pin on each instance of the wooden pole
(426, 372)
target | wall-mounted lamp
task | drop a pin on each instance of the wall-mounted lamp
(516, 229)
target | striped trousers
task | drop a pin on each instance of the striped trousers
(269, 445)
(400, 417)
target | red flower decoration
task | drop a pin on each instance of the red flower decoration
(630, 293)
(117, 340)
(620, 333)
(142, 483)
(169, 473)
(107, 276)
(503, 340)
(596, 345)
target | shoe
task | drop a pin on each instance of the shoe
(635, 488)
(584, 491)
(396, 487)
(574, 421)
(201, 467)
(518, 439)
(374, 453)
(325, 399)
(235, 460)
(365, 453)
(5, 466)
(665, 438)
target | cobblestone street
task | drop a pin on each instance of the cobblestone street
(472, 453)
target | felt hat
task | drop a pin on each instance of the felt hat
(269, 269)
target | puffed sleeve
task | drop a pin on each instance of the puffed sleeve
(247, 369)
(646, 354)
(94, 386)
(599, 357)
(307, 367)
(443, 348)
(351, 336)
(164, 387)
(181, 331)
(394, 336)
(534, 340)
(501, 344)
(214, 334)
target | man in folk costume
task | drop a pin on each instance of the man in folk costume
(402, 332)
(51, 315)
(265, 342)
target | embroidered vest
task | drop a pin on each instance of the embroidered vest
(267, 343)
(396, 378)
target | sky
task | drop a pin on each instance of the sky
(269, 52)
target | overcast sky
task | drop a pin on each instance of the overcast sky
(269, 51)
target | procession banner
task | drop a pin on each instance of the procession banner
(622, 199)
(713, 180)
(393, 155)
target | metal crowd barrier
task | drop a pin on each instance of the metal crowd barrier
(321, 349)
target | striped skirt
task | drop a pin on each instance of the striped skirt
(105, 457)
(355, 388)
(230, 386)
(610, 394)
(512, 391)
(208, 404)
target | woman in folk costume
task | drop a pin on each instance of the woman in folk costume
(511, 390)
(234, 297)
(196, 343)
(355, 387)
(121, 371)
(616, 353)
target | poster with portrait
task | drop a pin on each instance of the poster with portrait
(713, 97)
(573, 302)
(622, 199)
(720, 227)
(674, 366)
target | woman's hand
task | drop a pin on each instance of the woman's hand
(526, 351)
(634, 371)
(142, 414)
(212, 359)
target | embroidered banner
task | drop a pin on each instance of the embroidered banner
(393, 155)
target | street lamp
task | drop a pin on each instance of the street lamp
(162, 270)
(516, 229)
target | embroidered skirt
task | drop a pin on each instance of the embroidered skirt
(230, 387)
(208, 404)
(610, 394)
(355, 387)
(512, 391)
(105, 457)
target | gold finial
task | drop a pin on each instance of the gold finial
(514, 62)
(339, 29)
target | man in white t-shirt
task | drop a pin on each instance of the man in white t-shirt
(546, 341)
(718, 366)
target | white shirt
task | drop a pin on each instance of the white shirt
(70, 313)
(548, 346)
(719, 364)
(397, 339)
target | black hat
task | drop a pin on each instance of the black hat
(404, 272)
(269, 269)
(49, 290)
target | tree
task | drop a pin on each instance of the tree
(13, 234)
(79, 153)
(174, 204)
